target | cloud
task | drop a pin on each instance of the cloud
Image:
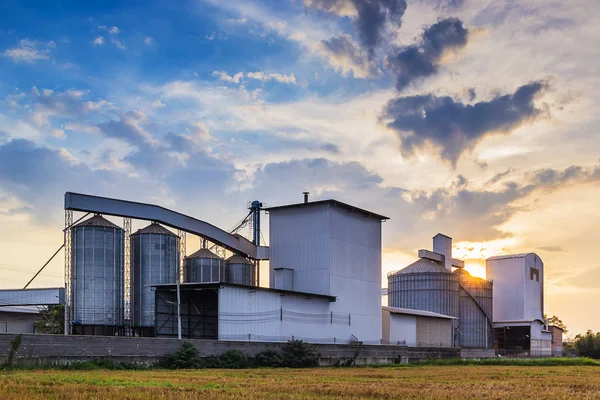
(69, 103)
(148, 41)
(112, 30)
(346, 56)
(130, 128)
(118, 44)
(28, 51)
(423, 59)
(552, 249)
(222, 75)
(158, 104)
(281, 78)
(454, 127)
(214, 36)
(98, 41)
(373, 19)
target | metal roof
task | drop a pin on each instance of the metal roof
(410, 311)
(237, 259)
(212, 285)
(20, 310)
(98, 220)
(421, 266)
(154, 228)
(204, 253)
(331, 202)
(508, 256)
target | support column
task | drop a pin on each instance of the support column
(127, 271)
(68, 308)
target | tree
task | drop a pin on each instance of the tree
(588, 345)
(52, 320)
(554, 320)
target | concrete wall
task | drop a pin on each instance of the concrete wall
(58, 349)
(403, 329)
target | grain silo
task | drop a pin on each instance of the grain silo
(97, 276)
(154, 260)
(424, 285)
(240, 270)
(475, 328)
(203, 266)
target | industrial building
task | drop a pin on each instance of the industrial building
(324, 281)
(429, 284)
(518, 306)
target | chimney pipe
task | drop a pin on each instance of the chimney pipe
(305, 196)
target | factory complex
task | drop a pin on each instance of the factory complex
(324, 267)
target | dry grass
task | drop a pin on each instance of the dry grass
(459, 382)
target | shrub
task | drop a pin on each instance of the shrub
(234, 359)
(186, 357)
(299, 354)
(268, 358)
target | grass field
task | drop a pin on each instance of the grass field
(426, 382)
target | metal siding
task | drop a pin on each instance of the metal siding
(435, 292)
(98, 275)
(25, 297)
(403, 329)
(434, 332)
(154, 260)
(243, 312)
(534, 308)
(18, 322)
(356, 271)
(299, 239)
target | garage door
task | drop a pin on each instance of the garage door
(434, 332)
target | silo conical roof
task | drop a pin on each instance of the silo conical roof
(237, 259)
(423, 265)
(98, 220)
(204, 253)
(155, 228)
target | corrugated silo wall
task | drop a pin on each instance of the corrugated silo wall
(435, 292)
(474, 329)
(154, 260)
(97, 275)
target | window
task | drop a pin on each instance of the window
(534, 272)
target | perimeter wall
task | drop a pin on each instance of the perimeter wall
(38, 349)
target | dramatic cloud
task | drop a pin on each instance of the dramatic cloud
(28, 51)
(373, 19)
(130, 128)
(423, 59)
(345, 56)
(454, 127)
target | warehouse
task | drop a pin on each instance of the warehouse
(416, 328)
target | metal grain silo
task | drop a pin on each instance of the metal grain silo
(424, 285)
(154, 260)
(203, 266)
(239, 270)
(97, 262)
(475, 311)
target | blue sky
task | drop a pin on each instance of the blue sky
(475, 118)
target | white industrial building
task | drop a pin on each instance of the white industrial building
(518, 304)
(417, 328)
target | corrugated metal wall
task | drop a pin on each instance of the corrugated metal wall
(98, 275)
(435, 292)
(434, 332)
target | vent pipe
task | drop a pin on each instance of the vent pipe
(305, 196)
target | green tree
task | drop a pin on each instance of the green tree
(588, 345)
(52, 320)
(554, 320)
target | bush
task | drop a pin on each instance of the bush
(234, 359)
(268, 358)
(186, 357)
(299, 354)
